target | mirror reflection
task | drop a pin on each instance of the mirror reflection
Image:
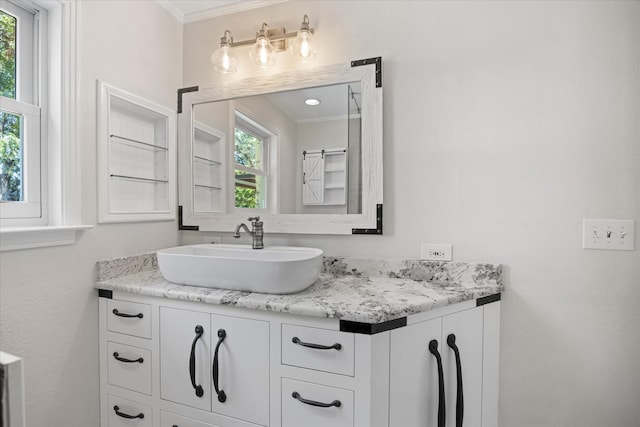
(292, 152)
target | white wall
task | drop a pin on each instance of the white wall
(48, 306)
(505, 124)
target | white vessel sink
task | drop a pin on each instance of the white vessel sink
(272, 270)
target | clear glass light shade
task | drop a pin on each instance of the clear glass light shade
(263, 53)
(224, 61)
(304, 47)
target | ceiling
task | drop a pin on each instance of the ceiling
(334, 103)
(196, 10)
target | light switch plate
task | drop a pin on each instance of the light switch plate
(608, 234)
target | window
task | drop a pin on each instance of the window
(21, 162)
(251, 161)
(41, 168)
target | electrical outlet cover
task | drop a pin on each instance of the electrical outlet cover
(436, 252)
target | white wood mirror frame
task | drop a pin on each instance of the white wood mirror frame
(369, 221)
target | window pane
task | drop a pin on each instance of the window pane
(7, 55)
(248, 149)
(10, 157)
(250, 190)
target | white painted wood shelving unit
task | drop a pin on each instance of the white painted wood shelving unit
(136, 158)
(324, 175)
(209, 184)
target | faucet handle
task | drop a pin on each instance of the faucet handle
(253, 218)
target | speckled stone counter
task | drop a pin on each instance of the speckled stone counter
(359, 290)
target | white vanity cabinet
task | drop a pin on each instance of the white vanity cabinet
(215, 363)
(162, 359)
(432, 386)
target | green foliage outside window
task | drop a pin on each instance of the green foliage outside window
(248, 152)
(10, 146)
(246, 197)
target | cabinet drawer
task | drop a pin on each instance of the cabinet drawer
(129, 318)
(296, 413)
(168, 419)
(303, 351)
(129, 367)
(127, 413)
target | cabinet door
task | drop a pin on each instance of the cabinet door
(178, 337)
(313, 179)
(467, 328)
(243, 368)
(413, 393)
(414, 389)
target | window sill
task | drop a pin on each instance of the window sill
(16, 238)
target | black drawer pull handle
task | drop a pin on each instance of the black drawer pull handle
(297, 396)
(122, 359)
(433, 348)
(117, 313)
(127, 416)
(451, 341)
(336, 346)
(192, 362)
(222, 397)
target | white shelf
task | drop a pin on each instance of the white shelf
(208, 169)
(136, 160)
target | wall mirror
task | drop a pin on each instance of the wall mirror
(302, 149)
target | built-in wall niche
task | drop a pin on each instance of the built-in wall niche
(136, 158)
(324, 177)
(208, 169)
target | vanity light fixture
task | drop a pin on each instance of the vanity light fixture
(224, 61)
(304, 46)
(266, 45)
(263, 54)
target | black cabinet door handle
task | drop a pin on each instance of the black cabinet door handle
(117, 313)
(433, 348)
(127, 416)
(297, 396)
(222, 397)
(336, 346)
(122, 359)
(451, 341)
(192, 362)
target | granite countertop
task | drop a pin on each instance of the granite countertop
(360, 290)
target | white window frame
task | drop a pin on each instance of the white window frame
(31, 206)
(60, 170)
(31, 50)
(245, 120)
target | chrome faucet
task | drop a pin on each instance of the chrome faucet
(256, 232)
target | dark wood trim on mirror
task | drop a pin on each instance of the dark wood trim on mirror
(377, 230)
(377, 61)
(181, 226)
(184, 90)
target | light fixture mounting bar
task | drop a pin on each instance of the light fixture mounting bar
(274, 35)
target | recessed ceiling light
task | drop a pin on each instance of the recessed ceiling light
(312, 101)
